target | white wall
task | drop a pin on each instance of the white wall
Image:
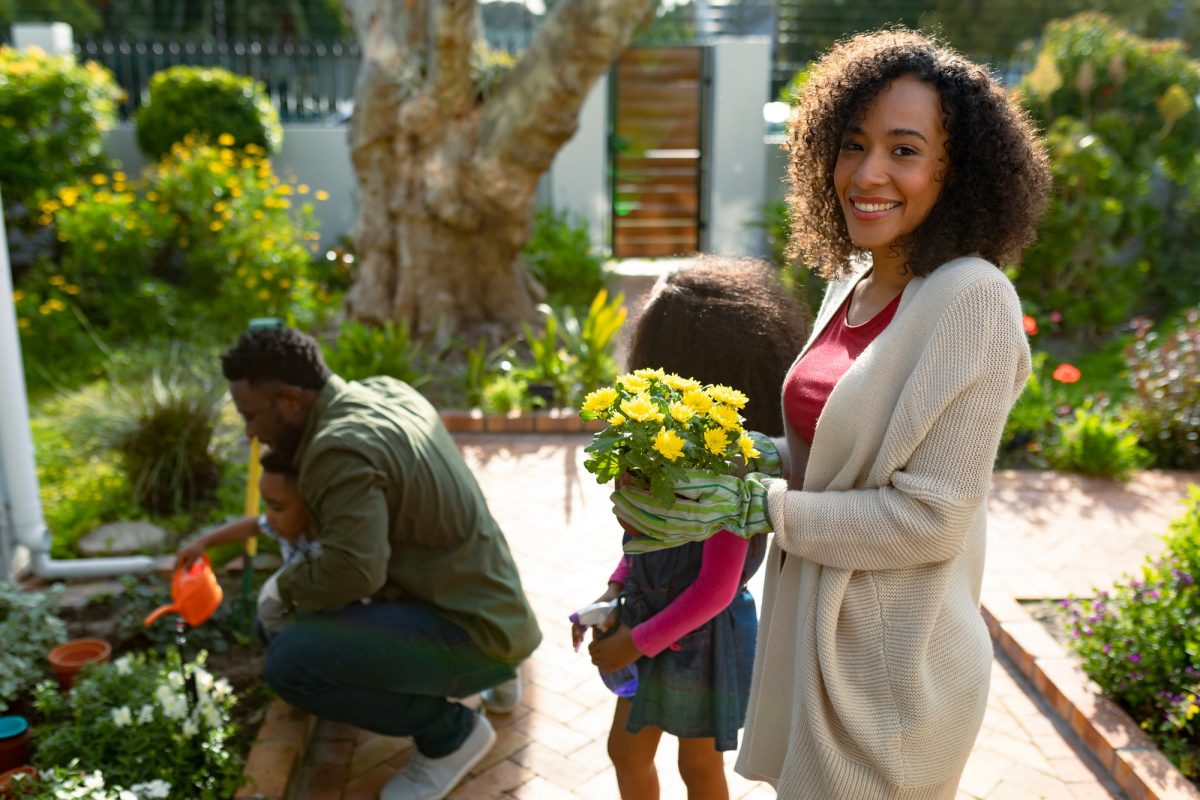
(578, 178)
(737, 162)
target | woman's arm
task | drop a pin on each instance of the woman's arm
(973, 369)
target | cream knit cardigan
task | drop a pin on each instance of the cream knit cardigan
(872, 664)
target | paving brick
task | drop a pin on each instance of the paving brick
(269, 769)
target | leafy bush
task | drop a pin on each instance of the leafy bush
(589, 343)
(1139, 642)
(206, 102)
(29, 629)
(69, 781)
(141, 595)
(52, 114)
(1094, 443)
(801, 282)
(559, 254)
(141, 719)
(1165, 373)
(505, 393)
(362, 350)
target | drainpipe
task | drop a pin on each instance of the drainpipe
(25, 525)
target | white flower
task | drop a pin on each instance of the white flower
(221, 688)
(204, 680)
(145, 715)
(175, 679)
(190, 728)
(212, 719)
(152, 789)
(122, 716)
(123, 666)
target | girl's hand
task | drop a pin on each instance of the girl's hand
(577, 631)
(189, 553)
(615, 651)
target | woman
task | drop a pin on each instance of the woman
(914, 175)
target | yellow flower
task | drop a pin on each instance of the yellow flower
(681, 412)
(716, 440)
(302, 188)
(50, 206)
(681, 384)
(23, 324)
(640, 407)
(730, 397)
(57, 280)
(226, 140)
(649, 374)
(18, 296)
(68, 196)
(633, 383)
(283, 189)
(600, 400)
(747, 446)
(616, 419)
(669, 444)
(321, 195)
(698, 401)
(71, 289)
(120, 176)
(724, 416)
(215, 226)
(99, 179)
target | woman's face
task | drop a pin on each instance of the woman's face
(889, 170)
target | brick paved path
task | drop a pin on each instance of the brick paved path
(559, 526)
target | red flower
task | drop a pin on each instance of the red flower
(1056, 317)
(1066, 373)
(1030, 325)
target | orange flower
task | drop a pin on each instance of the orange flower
(1030, 325)
(1066, 373)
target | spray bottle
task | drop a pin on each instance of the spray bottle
(622, 682)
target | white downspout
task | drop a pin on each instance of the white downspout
(18, 471)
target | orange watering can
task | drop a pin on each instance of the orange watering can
(195, 592)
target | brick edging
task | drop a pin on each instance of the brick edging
(1121, 747)
(550, 420)
(274, 762)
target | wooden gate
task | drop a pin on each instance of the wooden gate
(656, 151)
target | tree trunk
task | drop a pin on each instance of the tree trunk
(446, 182)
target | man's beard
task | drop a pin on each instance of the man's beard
(289, 441)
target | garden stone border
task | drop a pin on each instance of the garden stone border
(550, 420)
(1124, 751)
(273, 765)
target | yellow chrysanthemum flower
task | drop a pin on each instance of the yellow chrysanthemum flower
(716, 440)
(681, 412)
(681, 384)
(747, 446)
(226, 140)
(728, 396)
(633, 383)
(600, 400)
(698, 401)
(650, 374)
(640, 407)
(669, 444)
(724, 416)
(616, 419)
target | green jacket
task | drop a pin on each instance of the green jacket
(400, 516)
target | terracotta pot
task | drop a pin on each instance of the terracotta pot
(14, 742)
(68, 658)
(7, 779)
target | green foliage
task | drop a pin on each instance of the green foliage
(559, 254)
(143, 718)
(1139, 642)
(1165, 373)
(589, 343)
(162, 428)
(803, 284)
(52, 114)
(505, 393)
(1094, 443)
(29, 629)
(141, 595)
(81, 15)
(206, 102)
(363, 350)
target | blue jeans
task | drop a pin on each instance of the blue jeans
(386, 667)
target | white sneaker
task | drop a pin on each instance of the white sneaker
(503, 699)
(428, 778)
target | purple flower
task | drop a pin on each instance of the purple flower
(1107, 649)
(1135, 658)
(1065, 603)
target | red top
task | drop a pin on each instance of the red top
(812, 378)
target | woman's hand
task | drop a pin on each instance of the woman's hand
(615, 651)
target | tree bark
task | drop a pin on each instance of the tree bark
(446, 182)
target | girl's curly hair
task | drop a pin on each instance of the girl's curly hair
(995, 188)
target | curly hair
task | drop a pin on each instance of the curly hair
(727, 321)
(994, 190)
(276, 354)
(277, 463)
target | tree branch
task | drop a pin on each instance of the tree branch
(537, 108)
(453, 37)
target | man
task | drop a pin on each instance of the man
(402, 521)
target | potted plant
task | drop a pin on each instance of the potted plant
(14, 743)
(68, 658)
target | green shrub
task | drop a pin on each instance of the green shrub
(1095, 443)
(141, 719)
(505, 393)
(559, 254)
(363, 350)
(589, 343)
(143, 594)
(206, 102)
(1139, 642)
(29, 629)
(1165, 373)
(52, 114)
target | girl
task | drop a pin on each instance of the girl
(687, 618)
